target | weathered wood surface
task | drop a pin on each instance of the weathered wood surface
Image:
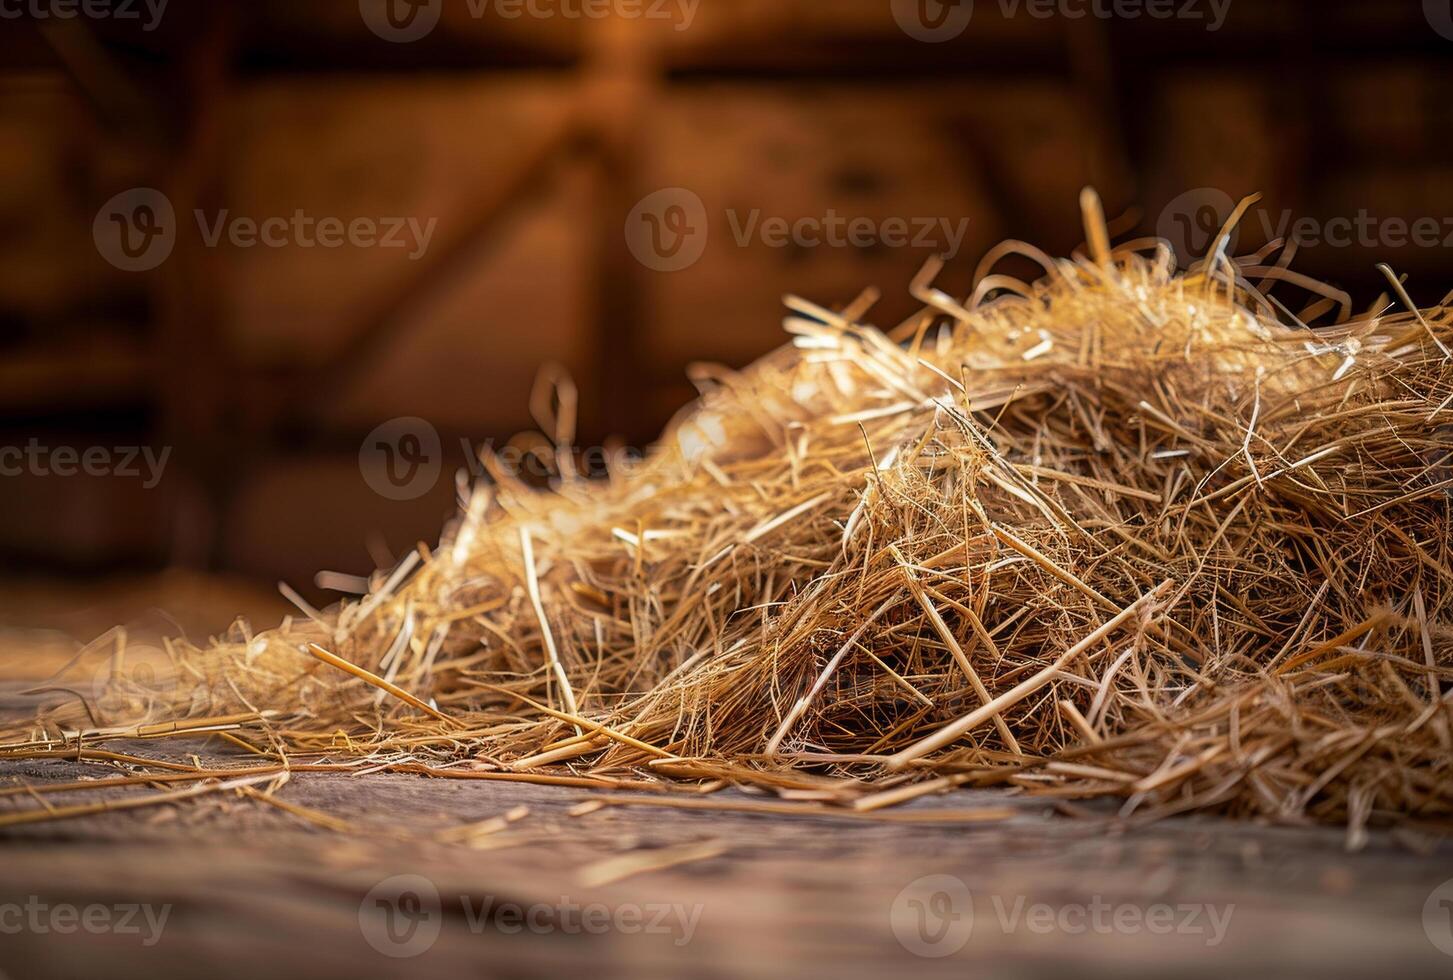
(257, 892)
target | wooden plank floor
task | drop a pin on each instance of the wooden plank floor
(250, 891)
(256, 892)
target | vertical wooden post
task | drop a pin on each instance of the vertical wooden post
(621, 77)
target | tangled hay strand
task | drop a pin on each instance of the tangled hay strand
(1120, 531)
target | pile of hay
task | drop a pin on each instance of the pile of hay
(1121, 531)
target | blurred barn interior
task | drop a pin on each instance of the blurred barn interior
(530, 140)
